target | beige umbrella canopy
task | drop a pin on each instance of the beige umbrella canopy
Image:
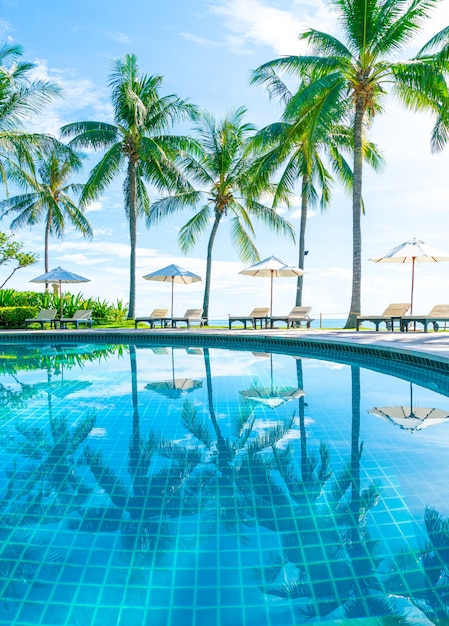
(409, 252)
(409, 417)
(270, 268)
(173, 274)
(273, 395)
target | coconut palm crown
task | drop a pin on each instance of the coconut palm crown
(302, 148)
(21, 98)
(222, 174)
(135, 145)
(46, 196)
(358, 71)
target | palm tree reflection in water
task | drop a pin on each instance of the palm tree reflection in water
(227, 494)
(327, 564)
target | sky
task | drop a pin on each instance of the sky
(205, 51)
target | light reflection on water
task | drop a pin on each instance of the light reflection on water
(202, 486)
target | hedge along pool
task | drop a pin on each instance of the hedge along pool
(190, 485)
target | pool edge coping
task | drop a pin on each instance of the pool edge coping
(378, 344)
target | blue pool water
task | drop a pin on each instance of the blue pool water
(193, 486)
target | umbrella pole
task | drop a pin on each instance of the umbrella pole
(271, 295)
(60, 300)
(172, 291)
(413, 285)
(411, 401)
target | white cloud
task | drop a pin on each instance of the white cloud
(254, 22)
(201, 41)
(118, 36)
(94, 207)
(296, 215)
(80, 98)
(5, 28)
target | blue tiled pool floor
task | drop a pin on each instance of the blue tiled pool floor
(190, 487)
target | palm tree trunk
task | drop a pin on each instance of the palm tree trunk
(224, 456)
(209, 267)
(46, 245)
(356, 215)
(134, 448)
(305, 474)
(302, 236)
(356, 447)
(132, 211)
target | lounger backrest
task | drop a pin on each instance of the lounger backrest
(46, 314)
(82, 314)
(300, 311)
(159, 313)
(396, 309)
(440, 310)
(194, 314)
(260, 312)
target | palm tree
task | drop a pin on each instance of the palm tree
(20, 99)
(295, 147)
(135, 144)
(46, 198)
(222, 170)
(357, 73)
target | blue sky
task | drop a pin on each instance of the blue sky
(205, 52)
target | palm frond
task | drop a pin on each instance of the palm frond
(195, 227)
(242, 241)
(102, 174)
(96, 135)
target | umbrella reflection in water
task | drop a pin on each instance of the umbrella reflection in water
(411, 417)
(274, 395)
(176, 387)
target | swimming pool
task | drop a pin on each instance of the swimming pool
(187, 485)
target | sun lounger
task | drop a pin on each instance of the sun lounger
(83, 316)
(295, 318)
(257, 315)
(191, 316)
(157, 316)
(439, 313)
(45, 316)
(392, 312)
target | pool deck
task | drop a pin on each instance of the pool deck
(431, 345)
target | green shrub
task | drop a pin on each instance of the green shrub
(15, 316)
(103, 312)
(7, 297)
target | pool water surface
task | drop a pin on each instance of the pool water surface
(201, 486)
